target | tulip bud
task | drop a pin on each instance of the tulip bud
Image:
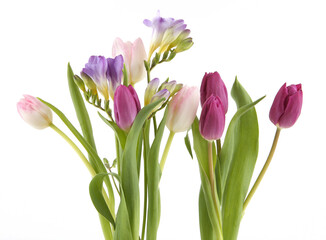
(126, 106)
(286, 107)
(182, 109)
(151, 90)
(212, 84)
(134, 55)
(34, 112)
(212, 119)
(164, 93)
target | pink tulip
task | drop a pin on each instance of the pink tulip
(182, 109)
(286, 107)
(212, 119)
(134, 55)
(126, 106)
(34, 112)
(212, 84)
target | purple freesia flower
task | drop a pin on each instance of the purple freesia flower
(96, 70)
(114, 73)
(165, 32)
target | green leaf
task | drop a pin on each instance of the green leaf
(122, 136)
(81, 112)
(129, 172)
(95, 191)
(188, 145)
(154, 175)
(238, 158)
(206, 229)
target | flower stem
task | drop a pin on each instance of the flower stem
(213, 189)
(77, 150)
(166, 150)
(263, 171)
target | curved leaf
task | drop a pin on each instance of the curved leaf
(154, 175)
(238, 159)
(129, 171)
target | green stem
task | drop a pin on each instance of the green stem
(166, 150)
(155, 125)
(213, 189)
(263, 171)
(145, 153)
(77, 150)
(106, 228)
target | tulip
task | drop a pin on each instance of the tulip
(126, 106)
(95, 71)
(34, 112)
(151, 90)
(212, 119)
(212, 84)
(286, 107)
(114, 73)
(182, 109)
(134, 55)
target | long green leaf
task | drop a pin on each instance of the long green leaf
(81, 112)
(129, 172)
(242, 150)
(154, 175)
(206, 229)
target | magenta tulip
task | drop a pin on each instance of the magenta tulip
(212, 84)
(34, 112)
(126, 106)
(287, 105)
(212, 119)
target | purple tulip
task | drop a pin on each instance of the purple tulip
(212, 84)
(96, 70)
(114, 73)
(212, 119)
(287, 105)
(126, 106)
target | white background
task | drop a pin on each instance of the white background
(43, 184)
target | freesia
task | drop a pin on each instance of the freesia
(34, 112)
(114, 73)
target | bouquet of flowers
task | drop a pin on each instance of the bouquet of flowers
(225, 168)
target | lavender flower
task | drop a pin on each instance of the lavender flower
(114, 73)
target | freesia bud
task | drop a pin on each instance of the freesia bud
(212, 119)
(134, 55)
(182, 109)
(212, 84)
(169, 86)
(114, 73)
(164, 93)
(151, 90)
(95, 71)
(287, 105)
(126, 106)
(184, 45)
(34, 112)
